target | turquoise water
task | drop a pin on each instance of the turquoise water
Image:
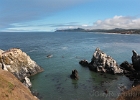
(67, 50)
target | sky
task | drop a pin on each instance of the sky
(51, 15)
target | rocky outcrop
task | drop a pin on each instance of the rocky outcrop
(136, 60)
(74, 74)
(101, 62)
(132, 71)
(19, 63)
(127, 67)
(84, 63)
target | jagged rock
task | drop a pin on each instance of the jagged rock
(101, 62)
(84, 63)
(27, 82)
(74, 74)
(127, 66)
(136, 60)
(18, 63)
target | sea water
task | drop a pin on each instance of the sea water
(67, 49)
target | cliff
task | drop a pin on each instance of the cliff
(19, 63)
(12, 89)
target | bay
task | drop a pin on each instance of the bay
(68, 48)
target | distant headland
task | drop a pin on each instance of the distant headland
(116, 30)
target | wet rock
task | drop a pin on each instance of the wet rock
(127, 66)
(132, 71)
(106, 91)
(27, 82)
(136, 60)
(49, 56)
(101, 62)
(84, 63)
(136, 83)
(74, 74)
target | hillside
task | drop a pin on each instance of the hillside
(12, 89)
(116, 30)
(132, 94)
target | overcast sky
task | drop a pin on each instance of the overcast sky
(50, 15)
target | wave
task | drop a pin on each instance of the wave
(64, 48)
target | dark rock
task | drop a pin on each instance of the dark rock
(74, 74)
(84, 63)
(127, 66)
(136, 60)
(136, 83)
(49, 56)
(106, 91)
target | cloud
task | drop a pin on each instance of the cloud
(17, 11)
(125, 22)
(117, 22)
(110, 23)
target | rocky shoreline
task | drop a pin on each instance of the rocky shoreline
(101, 62)
(19, 64)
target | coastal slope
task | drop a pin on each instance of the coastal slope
(12, 89)
(132, 94)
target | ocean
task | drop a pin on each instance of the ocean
(67, 49)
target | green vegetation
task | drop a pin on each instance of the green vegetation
(10, 87)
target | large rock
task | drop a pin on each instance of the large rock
(18, 63)
(136, 60)
(101, 62)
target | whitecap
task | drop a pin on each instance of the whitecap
(64, 48)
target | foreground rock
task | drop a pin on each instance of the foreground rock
(136, 60)
(101, 62)
(74, 74)
(18, 63)
(12, 89)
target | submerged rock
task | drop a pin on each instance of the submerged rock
(101, 62)
(19, 63)
(74, 74)
(49, 56)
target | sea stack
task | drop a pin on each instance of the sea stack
(136, 60)
(18, 63)
(101, 62)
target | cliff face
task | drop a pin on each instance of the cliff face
(18, 63)
(12, 89)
